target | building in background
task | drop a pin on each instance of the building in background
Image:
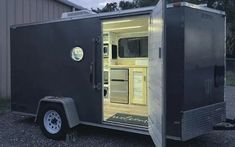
(19, 12)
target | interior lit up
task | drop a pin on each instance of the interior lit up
(125, 67)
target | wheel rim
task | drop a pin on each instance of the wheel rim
(52, 121)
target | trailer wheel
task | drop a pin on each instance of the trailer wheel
(53, 122)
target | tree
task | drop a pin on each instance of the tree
(123, 5)
(145, 3)
(230, 14)
(109, 7)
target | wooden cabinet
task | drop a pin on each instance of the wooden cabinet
(138, 86)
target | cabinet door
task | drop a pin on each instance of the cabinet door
(138, 86)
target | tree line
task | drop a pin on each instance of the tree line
(225, 5)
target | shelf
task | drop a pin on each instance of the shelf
(106, 85)
(128, 66)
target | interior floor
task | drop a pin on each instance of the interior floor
(111, 109)
(125, 66)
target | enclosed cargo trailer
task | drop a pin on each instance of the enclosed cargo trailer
(173, 86)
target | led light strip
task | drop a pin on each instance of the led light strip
(123, 28)
(119, 21)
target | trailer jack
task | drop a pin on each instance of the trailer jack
(228, 124)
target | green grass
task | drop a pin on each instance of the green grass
(230, 76)
(4, 105)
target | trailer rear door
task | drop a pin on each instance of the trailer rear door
(156, 77)
(61, 58)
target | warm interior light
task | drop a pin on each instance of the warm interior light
(123, 28)
(119, 21)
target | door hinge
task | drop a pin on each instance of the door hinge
(98, 40)
(98, 86)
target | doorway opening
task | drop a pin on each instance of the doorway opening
(125, 67)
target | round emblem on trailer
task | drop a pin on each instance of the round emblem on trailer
(77, 54)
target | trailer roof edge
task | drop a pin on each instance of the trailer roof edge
(129, 12)
(121, 13)
(194, 6)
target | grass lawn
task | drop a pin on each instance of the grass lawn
(4, 105)
(230, 77)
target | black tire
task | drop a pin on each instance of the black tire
(64, 124)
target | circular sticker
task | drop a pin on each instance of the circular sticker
(77, 54)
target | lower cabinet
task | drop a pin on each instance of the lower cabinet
(138, 85)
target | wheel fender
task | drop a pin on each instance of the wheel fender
(68, 105)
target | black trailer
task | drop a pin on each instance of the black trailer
(68, 72)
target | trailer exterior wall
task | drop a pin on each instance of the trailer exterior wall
(204, 58)
(46, 68)
(175, 68)
(18, 12)
(195, 71)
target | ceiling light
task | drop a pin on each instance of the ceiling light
(123, 28)
(119, 21)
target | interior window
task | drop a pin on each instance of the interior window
(133, 47)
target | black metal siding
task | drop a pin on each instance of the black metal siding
(42, 66)
(195, 69)
(174, 69)
(204, 54)
(19, 12)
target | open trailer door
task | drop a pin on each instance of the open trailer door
(156, 101)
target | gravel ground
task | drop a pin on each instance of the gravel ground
(20, 131)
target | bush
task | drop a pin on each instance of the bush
(4, 105)
(230, 78)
